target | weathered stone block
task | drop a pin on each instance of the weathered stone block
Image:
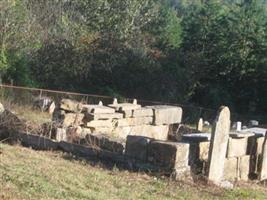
(169, 155)
(137, 147)
(61, 134)
(143, 112)
(98, 109)
(104, 130)
(230, 169)
(237, 147)
(105, 142)
(101, 116)
(133, 121)
(166, 114)
(72, 119)
(125, 106)
(155, 132)
(204, 151)
(100, 123)
(244, 167)
(70, 105)
(263, 166)
(37, 142)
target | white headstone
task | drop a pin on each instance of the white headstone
(100, 103)
(218, 145)
(200, 125)
(2, 109)
(115, 101)
(238, 126)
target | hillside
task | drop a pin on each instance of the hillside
(28, 174)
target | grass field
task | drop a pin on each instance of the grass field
(29, 174)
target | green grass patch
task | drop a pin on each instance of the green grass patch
(29, 174)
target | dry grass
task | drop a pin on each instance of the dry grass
(28, 174)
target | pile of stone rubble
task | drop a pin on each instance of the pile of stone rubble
(130, 132)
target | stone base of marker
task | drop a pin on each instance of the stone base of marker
(137, 147)
(168, 155)
(237, 168)
(104, 142)
(155, 132)
(237, 147)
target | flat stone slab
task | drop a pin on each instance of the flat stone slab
(133, 121)
(170, 155)
(241, 134)
(197, 137)
(37, 142)
(104, 142)
(137, 147)
(100, 116)
(99, 123)
(143, 112)
(166, 114)
(258, 131)
(98, 109)
(155, 132)
(124, 106)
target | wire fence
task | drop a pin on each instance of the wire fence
(24, 96)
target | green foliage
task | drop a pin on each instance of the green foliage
(202, 52)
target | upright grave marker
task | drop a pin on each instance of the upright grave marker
(218, 146)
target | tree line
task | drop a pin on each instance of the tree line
(202, 52)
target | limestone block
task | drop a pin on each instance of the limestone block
(231, 169)
(61, 134)
(100, 116)
(143, 112)
(105, 142)
(100, 123)
(133, 121)
(103, 130)
(166, 114)
(137, 147)
(259, 145)
(169, 155)
(204, 151)
(218, 145)
(244, 167)
(124, 106)
(263, 169)
(72, 119)
(126, 113)
(70, 105)
(237, 147)
(155, 132)
(98, 109)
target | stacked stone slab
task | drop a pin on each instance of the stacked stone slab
(171, 157)
(238, 159)
(116, 119)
